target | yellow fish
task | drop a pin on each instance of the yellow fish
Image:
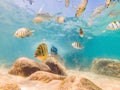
(41, 52)
(108, 2)
(81, 8)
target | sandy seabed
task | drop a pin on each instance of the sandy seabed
(104, 82)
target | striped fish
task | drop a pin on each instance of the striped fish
(41, 52)
(81, 32)
(81, 8)
(114, 25)
(23, 32)
(76, 45)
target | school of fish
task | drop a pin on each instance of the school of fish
(41, 53)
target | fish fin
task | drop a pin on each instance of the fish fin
(103, 31)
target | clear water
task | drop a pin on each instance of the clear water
(96, 43)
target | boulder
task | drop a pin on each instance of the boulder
(77, 83)
(55, 66)
(25, 67)
(8, 84)
(45, 76)
(106, 67)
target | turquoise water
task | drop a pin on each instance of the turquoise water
(98, 42)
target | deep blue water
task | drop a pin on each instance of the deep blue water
(96, 43)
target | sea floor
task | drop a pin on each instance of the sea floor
(104, 82)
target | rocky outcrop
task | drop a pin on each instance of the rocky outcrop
(106, 67)
(8, 84)
(55, 66)
(45, 76)
(77, 83)
(25, 67)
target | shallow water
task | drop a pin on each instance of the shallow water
(98, 42)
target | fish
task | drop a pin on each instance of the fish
(97, 11)
(114, 13)
(54, 50)
(81, 33)
(41, 52)
(67, 2)
(60, 19)
(111, 3)
(42, 17)
(113, 25)
(76, 45)
(81, 8)
(108, 2)
(23, 32)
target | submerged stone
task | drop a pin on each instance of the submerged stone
(25, 67)
(8, 84)
(77, 83)
(55, 66)
(45, 76)
(106, 67)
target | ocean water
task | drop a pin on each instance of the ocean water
(98, 42)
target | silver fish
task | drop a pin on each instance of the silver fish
(23, 32)
(41, 17)
(97, 11)
(76, 45)
(114, 13)
(114, 25)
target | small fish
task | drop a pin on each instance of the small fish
(114, 13)
(81, 8)
(81, 32)
(111, 3)
(30, 1)
(76, 45)
(60, 19)
(97, 11)
(108, 2)
(23, 32)
(41, 52)
(114, 25)
(54, 50)
(41, 17)
(67, 2)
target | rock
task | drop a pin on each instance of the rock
(45, 76)
(25, 67)
(8, 84)
(106, 67)
(77, 83)
(55, 66)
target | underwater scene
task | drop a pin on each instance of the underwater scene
(60, 44)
